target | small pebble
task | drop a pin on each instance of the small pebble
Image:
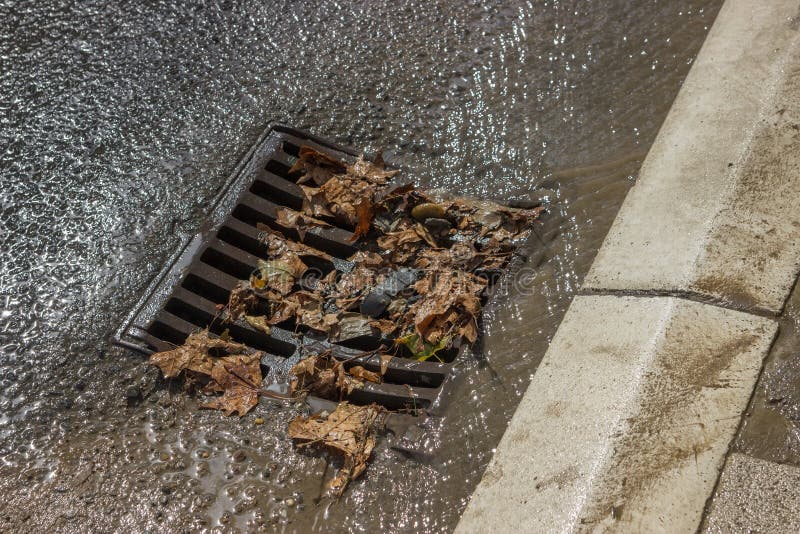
(427, 210)
(239, 456)
(132, 393)
(290, 502)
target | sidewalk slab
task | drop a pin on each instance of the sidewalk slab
(756, 496)
(627, 420)
(713, 212)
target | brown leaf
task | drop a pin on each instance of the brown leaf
(316, 166)
(470, 330)
(194, 354)
(289, 218)
(349, 430)
(367, 259)
(385, 359)
(362, 374)
(386, 326)
(239, 377)
(449, 300)
(346, 383)
(350, 285)
(305, 367)
(365, 211)
(279, 274)
(242, 301)
(323, 376)
(310, 312)
(284, 309)
(426, 235)
(394, 239)
(341, 195)
(278, 245)
(370, 171)
(338, 198)
(402, 244)
(259, 322)
(315, 203)
(386, 197)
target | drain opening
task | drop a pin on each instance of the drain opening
(186, 297)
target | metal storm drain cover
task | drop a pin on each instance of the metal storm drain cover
(314, 255)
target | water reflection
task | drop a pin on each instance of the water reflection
(119, 121)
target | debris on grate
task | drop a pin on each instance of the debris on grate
(336, 275)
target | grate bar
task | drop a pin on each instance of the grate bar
(269, 185)
(186, 296)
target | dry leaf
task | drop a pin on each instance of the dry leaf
(278, 244)
(362, 374)
(365, 211)
(371, 172)
(385, 359)
(279, 274)
(259, 322)
(241, 301)
(323, 376)
(386, 326)
(316, 166)
(449, 302)
(288, 218)
(194, 354)
(239, 378)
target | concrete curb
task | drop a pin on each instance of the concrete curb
(627, 422)
(713, 212)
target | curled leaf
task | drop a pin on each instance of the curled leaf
(322, 375)
(259, 322)
(236, 376)
(362, 374)
(372, 172)
(288, 218)
(316, 166)
(365, 211)
(241, 301)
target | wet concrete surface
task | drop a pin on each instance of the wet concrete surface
(770, 429)
(119, 123)
(755, 496)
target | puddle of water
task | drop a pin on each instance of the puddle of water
(771, 427)
(119, 122)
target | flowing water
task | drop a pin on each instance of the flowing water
(119, 121)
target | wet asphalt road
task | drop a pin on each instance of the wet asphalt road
(119, 121)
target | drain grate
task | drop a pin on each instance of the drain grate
(185, 295)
